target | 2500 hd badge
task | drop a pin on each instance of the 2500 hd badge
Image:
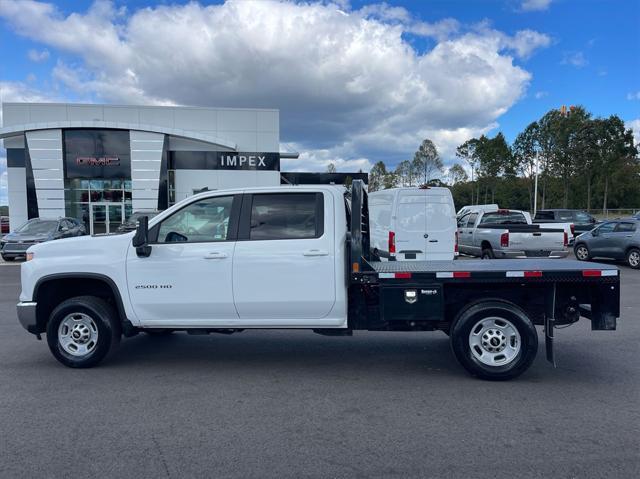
(154, 286)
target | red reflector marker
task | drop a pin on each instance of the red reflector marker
(403, 275)
(533, 274)
(591, 273)
(462, 274)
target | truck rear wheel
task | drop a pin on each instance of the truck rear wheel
(487, 253)
(494, 340)
(82, 330)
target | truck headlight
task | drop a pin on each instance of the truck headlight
(29, 255)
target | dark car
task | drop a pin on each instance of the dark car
(132, 222)
(4, 224)
(38, 230)
(582, 221)
(617, 239)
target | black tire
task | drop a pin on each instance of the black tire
(487, 253)
(7, 258)
(633, 258)
(106, 321)
(581, 252)
(469, 319)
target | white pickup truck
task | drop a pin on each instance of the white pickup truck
(296, 257)
(509, 234)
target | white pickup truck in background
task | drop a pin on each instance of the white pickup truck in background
(509, 234)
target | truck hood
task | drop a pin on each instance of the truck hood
(81, 246)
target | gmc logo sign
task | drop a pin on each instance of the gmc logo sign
(99, 161)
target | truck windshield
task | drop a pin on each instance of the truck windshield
(37, 227)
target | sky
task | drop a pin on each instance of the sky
(355, 82)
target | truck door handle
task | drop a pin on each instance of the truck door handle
(315, 252)
(215, 255)
(433, 241)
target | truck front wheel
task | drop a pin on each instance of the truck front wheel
(494, 340)
(82, 330)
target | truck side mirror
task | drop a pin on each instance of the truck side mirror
(141, 238)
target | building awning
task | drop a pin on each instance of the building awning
(18, 130)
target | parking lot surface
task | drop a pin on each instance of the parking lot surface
(294, 404)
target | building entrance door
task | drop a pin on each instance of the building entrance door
(104, 218)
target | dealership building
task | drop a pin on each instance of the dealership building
(99, 163)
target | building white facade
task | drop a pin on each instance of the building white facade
(100, 163)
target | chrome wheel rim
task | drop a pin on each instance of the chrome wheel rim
(78, 334)
(582, 253)
(494, 341)
(634, 259)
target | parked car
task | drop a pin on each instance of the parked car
(4, 225)
(508, 234)
(38, 230)
(413, 224)
(636, 216)
(582, 221)
(132, 221)
(617, 239)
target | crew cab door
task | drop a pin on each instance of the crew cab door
(284, 261)
(186, 280)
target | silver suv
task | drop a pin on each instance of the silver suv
(617, 239)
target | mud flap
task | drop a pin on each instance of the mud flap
(548, 339)
(549, 323)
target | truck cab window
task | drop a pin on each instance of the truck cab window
(508, 217)
(286, 216)
(462, 222)
(202, 221)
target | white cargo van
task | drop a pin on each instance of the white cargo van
(413, 224)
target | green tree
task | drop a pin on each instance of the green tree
(617, 149)
(404, 173)
(457, 174)
(467, 152)
(495, 159)
(525, 151)
(426, 164)
(377, 176)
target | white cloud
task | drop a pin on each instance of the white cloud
(633, 95)
(541, 94)
(534, 5)
(38, 56)
(635, 126)
(346, 82)
(19, 91)
(576, 59)
(525, 42)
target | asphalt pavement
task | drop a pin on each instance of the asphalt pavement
(279, 404)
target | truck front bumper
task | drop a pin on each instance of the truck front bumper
(513, 254)
(27, 315)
